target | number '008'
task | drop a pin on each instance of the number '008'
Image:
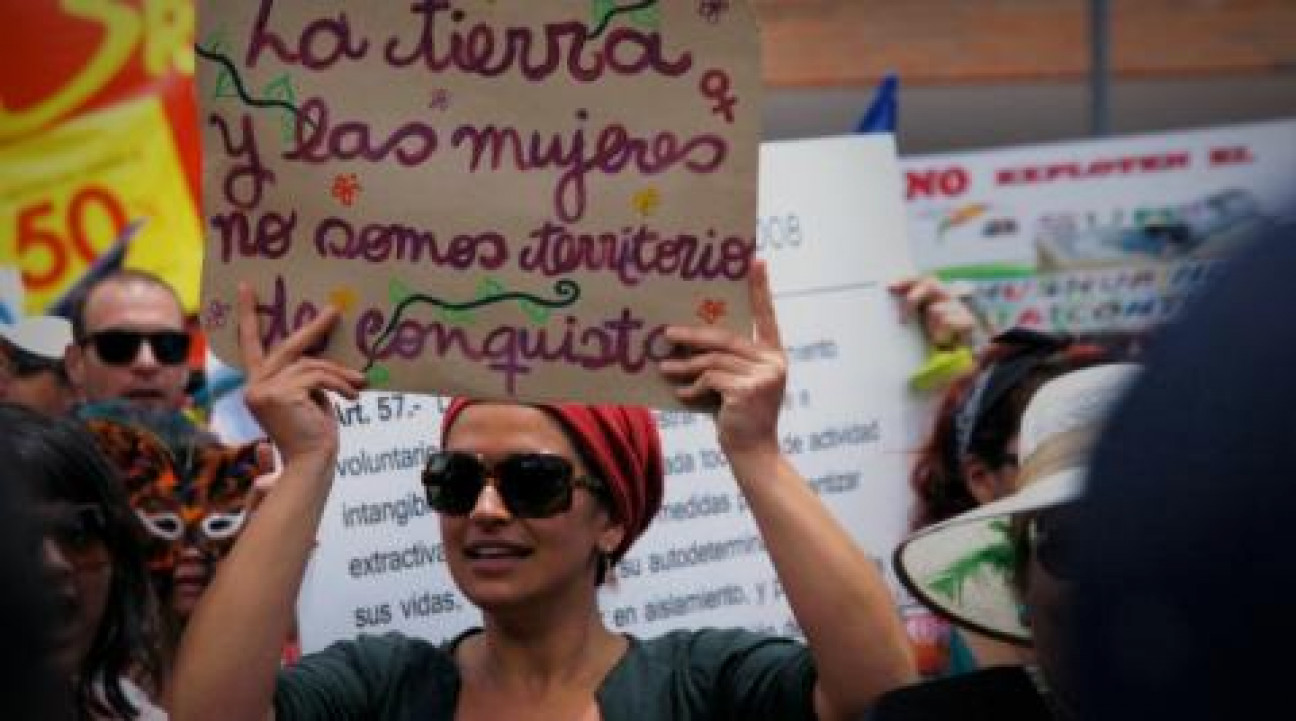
(779, 232)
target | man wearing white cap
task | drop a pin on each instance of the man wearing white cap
(31, 364)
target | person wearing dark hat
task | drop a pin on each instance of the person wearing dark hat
(535, 503)
(31, 364)
(999, 570)
(1185, 570)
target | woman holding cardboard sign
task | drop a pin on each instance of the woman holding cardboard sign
(535, 502)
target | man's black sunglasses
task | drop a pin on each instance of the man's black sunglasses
(532, 485)
(120, 347)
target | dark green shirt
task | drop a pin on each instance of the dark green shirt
(681, 676)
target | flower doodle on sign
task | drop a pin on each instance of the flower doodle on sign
(712, 10)
(440, 100)
(346, 187)
(711, 311)
(342, 298)
(216, 314)
(646, 202)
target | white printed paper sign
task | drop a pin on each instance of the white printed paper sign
(1097, 236)
(507, 199)
(832, 228)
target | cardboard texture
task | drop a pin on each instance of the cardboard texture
(506, 199)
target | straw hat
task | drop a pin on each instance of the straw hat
(960, 568)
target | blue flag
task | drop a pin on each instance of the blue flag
(110, 261)
(883, 115)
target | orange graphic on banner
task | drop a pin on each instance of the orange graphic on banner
(67, 193)
(100, 134)
(93, 52)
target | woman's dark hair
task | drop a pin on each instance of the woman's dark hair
(34, 690)
(987, 424)
(59, 461)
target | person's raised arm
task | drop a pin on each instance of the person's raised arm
(834, 589)
(232, 645)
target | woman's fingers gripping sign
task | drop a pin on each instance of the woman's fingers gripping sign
(285, 384)
(741, 379)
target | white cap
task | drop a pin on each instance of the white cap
(45, 336)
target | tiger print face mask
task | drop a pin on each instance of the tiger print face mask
(191, 496)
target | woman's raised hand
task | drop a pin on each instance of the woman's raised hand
(742, 379)
(285, 385)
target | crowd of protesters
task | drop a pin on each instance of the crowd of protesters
(119, 482)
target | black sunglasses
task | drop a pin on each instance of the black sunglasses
(532, 485)
(1049, 536)
(120, 347)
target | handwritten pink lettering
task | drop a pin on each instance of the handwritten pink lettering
(385, 242)
(319, 45)
(272, 239)
(480, 50)
(278, 321)
(621, 342)
(499, 148)
(636, 253)
(252, 173)
(319, 142)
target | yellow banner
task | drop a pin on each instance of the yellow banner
(67, 193)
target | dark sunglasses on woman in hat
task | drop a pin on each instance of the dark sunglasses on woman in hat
(120, 347)
(532, 485)
(1047, 536)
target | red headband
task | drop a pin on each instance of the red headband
(622, 444)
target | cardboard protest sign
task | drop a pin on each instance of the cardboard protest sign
(506, 199)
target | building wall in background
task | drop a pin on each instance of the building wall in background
(818, 43)
(992, 73)
(965, 117)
